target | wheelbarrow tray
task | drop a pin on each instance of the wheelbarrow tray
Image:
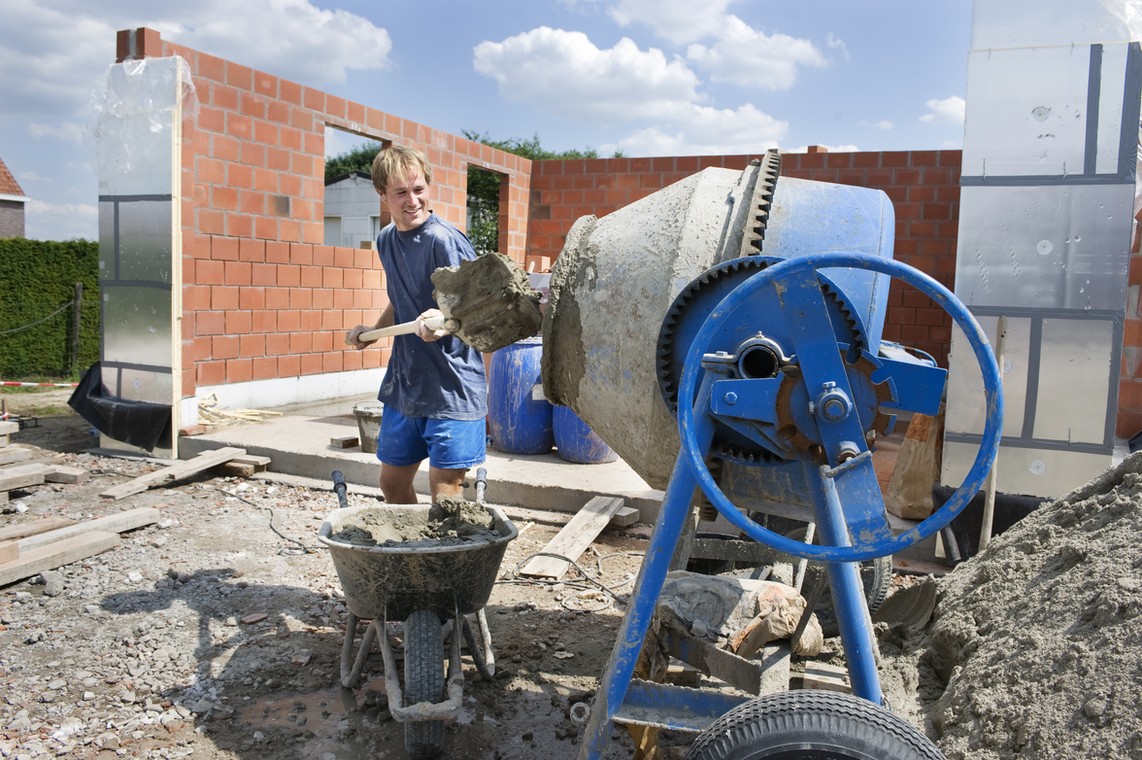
(392, 580)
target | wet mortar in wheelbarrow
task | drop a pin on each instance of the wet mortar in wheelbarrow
(433, 569)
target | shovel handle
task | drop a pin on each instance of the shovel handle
(404, 328)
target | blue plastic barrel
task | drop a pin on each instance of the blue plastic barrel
(575, 441)
(519, 422)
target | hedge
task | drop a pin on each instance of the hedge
(37, 308)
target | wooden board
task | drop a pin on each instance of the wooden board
(58, 473)
(177, 471)
(246, 466)
(13, 454)
(57, 554)
(21, 476)
(574, 537)
(32, 527)
(9, 551)
(116, 523)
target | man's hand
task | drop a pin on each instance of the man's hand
(353, 337)
(422, 331)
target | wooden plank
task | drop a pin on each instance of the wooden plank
(9, 551)
(32, 527)
(57, 554)
(14, 454)
(574, 537)
(245, 466)
(58, 473)
(21, 476)
(177, 471)
(344, 441)
(7, 427)
(624, 517)
(822, 675)
(119, 522)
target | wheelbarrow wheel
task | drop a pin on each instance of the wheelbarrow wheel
(423, 682)
(811, 725)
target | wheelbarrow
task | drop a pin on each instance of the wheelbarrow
(427, 584)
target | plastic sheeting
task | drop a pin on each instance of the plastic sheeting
(138, 423)
(131, 105)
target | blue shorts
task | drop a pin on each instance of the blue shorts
(447, 444)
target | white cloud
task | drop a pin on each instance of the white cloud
(52, 57)
(700, 130)
(748, 57)
(565, 74)
(59, 221)
(679, 21)
(949, 110)
(291, 38)
(836, 43)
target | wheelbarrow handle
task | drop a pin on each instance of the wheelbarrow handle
(339, 489)
(481, 484)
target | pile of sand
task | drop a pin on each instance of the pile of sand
(1035, 646)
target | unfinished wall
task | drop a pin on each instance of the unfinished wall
(264, 300)
(923, 187)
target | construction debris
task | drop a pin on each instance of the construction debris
(176, 471)
(573, 539)
(209, 415)
(61, 545)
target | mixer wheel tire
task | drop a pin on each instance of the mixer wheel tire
(423, 681)
(811, 725)
(875, 577)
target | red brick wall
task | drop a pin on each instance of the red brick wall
(262, 297)
(922, 185)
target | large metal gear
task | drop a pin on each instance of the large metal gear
(697, 300)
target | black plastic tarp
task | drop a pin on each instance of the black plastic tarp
(138, 423)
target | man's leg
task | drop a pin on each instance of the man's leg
(454, 446)
(446, 483)
(396, 483)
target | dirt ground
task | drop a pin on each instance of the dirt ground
(216, 632)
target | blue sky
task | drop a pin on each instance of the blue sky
(644, 77)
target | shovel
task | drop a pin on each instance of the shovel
(487, 302)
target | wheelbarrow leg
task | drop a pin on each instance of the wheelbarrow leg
(350, 673)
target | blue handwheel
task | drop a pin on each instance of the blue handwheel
(867, 523)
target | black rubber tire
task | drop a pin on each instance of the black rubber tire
(875, 576)
(423, 682)
(811, 725)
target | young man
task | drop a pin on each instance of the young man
(434, 391)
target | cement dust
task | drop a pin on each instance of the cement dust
(1035, 646)
(450, 521)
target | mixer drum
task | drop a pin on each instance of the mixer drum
(618, 276)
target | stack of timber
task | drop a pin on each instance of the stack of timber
(33, 546)
(18, 471)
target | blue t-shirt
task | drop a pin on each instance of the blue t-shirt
(444, 379)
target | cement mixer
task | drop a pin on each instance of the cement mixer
(724, 336)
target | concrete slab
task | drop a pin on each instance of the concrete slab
(298, 442)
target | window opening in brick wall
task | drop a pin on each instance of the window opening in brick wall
(484, 190)
(352, 205)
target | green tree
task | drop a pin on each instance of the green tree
(358, 159)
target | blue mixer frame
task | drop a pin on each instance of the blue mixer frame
(847, 504)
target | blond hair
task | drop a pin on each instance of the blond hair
(398, 162)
